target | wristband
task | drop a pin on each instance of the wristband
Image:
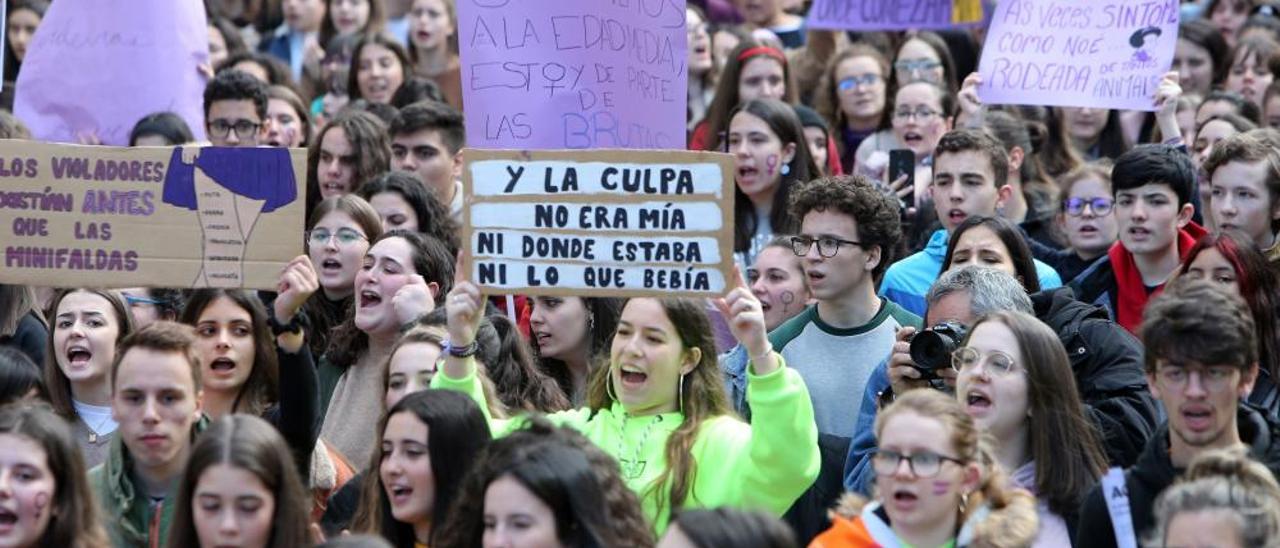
(461, 351)
(295, 325)
(757, 359)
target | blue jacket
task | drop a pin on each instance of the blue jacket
(907, 281)
(858, 475)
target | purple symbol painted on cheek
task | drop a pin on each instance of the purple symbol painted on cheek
(772, 163)
(41, 501)
(941, 487)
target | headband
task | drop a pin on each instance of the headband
(762, 50)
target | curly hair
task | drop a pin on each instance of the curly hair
(876, 215)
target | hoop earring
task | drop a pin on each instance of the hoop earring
(680, 394)
(786, 169)
(608, 386)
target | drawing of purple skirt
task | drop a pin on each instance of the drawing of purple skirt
(256, 173)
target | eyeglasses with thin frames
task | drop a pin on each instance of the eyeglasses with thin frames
(344, 236)
(967, 358)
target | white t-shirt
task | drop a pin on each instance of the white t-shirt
(98, 418)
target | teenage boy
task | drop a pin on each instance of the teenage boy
(426, 140)
(1244, 175)
(847, 232)
(848, 229)
(155, 397)
(1151, 186)
(235, 109)
(970, 178)
(1201, 362)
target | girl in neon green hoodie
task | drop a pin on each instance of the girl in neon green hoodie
(660, 408)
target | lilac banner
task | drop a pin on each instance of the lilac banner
(95, 67)
(1080, 53)
(893, 14)
(573, 74)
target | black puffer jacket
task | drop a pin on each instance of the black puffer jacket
(1107, 362)
(1154, 472)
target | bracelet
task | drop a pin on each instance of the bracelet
(757, 359)
(295, 325)
(461, 351)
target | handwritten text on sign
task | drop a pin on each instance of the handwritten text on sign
(599, 223)
(75, 216)
(1082, 53)
(893, 14)
(573, 74)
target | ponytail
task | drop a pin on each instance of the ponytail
(1011, 519)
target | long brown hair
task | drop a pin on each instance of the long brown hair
(251, 444)
(260, 389)
(58, 384)
(456, 435)
(370, 144)
(727, 98)
(1064, 472)
(827, 99)
(74, 515)
(703, 398)
(16, 301)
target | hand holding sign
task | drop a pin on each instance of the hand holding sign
(1166, 101)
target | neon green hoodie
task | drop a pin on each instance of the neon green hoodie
(764, 465)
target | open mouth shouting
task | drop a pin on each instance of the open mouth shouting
(78, 356)
(632, 377)
(400, 494)
(369, 299)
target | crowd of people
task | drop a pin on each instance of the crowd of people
(955, 324)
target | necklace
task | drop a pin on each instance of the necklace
(93, 429)
(634, 468)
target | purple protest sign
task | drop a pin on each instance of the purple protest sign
(98, 66)
(1079, 53)
(893, 14)
(573, 74)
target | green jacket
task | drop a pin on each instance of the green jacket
(764, 465)
(128, 515)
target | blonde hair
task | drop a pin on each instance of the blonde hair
(1011, 519)
(1227, 481)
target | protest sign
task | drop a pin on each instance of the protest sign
(96, 67)
(573, 74)
(77, 216)
(893, 14)
(1079, 53)
(599, 222)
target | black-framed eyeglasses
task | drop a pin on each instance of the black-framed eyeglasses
(925, 464)
(244, 128)
(858, 81)
(344, 236)
(827, 245)
(1100, 205)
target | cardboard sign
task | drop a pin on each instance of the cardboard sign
(1078, 53)
(599, 222)
(573, 74)
(893, 14)
(96, 67)
(82, 216)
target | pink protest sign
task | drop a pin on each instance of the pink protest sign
(893, 14)
(1080, 53)
(573, 74)
(98, 66)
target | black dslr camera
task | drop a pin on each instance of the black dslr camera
(931, 349)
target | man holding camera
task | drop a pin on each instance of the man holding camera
(1105, 360)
